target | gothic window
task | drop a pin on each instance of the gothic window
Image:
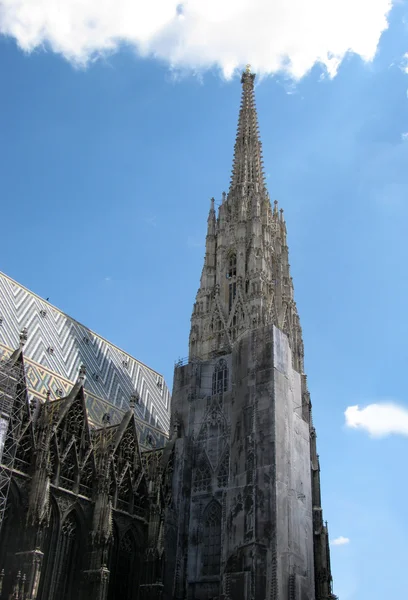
(68, 559)
(232, 266)
(123, 567)
(128, 450)
(212, 540)
(232, 292)
(75, 422)
(220, 377)
(222, 477)
(202, 478)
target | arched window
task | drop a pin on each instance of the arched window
(124, 567)
(232, 266)
(69, 559)
(223, 472)
(232, 292)
(202, 478)
(211, 557)
(220, 377)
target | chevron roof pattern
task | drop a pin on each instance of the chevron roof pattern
(58, 345)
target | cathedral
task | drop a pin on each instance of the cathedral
(110, 491)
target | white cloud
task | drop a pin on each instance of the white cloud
(288, 35)
(404, 136)
(404, 64)
(340, 541)
(379, 420)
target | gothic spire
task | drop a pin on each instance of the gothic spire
(247, 169)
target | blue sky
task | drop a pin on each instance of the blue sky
(106, 172)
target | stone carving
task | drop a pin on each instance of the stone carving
(65, 503)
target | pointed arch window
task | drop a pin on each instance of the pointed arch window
(220, 377)
(223, 472)
(232, 292)
(211, 559)
(202, 478)
(124, 566)
(69, 563)
(232, 266)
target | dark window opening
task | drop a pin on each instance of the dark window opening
(68, 560)
(222, 477)
(220, 377)
(232, 292)
(202, 479)
(212, 540)
(232, 267)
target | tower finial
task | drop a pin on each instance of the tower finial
(247, 170)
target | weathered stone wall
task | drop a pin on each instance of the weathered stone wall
(255, 429)
(293, 478)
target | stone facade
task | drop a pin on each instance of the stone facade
(245, 522)
(84, 506)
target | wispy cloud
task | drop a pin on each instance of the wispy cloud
(281, 36)
(404, 63)
(404, 136)
(379, 420)
(340, 541)
(108, 279)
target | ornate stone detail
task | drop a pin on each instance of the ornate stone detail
(65, 503)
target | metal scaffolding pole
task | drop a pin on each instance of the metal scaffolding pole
(12, 396)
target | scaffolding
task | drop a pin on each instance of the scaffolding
(12, 397)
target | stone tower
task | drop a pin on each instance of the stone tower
(245, 520)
